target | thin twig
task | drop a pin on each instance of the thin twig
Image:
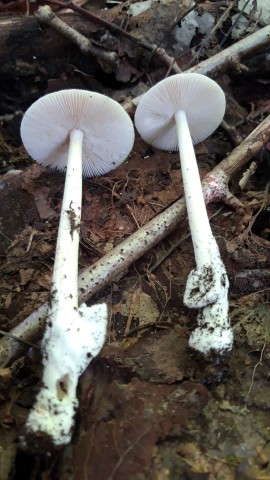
(47, 16)
(17, 339)
(260, 361)
(263, 207)
(210, 35)
(127, 451)
(239, 15)
(176, 21)
(113, 28)
(161, 325)
(176, 245)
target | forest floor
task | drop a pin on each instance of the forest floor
(150, 407)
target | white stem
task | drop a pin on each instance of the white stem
(64, 288)
(73, 335)
(200, 230)
(207, 285)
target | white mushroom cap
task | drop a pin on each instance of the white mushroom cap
(108, 130)
(200, 97)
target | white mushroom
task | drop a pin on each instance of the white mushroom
(178, 112)
(86, 133)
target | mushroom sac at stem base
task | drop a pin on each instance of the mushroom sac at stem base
(207, 289)
(214, 332)
(207, 283)
(69, 346)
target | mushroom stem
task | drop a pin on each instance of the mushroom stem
(207, 285)
(64, 288)
(202, 236)
(73, 335)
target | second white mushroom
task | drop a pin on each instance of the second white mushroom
(178, 112)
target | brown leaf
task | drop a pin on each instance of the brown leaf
(42, 196)
(26, 276)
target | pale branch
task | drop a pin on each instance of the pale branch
(47, 16)
(230, 58)
(113, 28)
(216, 182)
(234, 54)
(116, 263)
(211, 35)
(247, 174)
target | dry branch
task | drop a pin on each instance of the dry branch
(230, 58)
(116, 263)
(233, 55)
(115, 29)
(27, 48)
(47, 16)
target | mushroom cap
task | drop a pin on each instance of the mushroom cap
(108, 130)
(201, 98)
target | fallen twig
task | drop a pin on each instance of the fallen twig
(47, 16)
(233, 55)
(229, 58)
(116, 263)
(234, 23)
(113, 28)
(205, 42)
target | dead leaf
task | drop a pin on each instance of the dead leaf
(26, 276)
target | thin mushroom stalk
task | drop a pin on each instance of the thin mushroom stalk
(178, 112)
(74, 334)
(64, 289)
(207, 285)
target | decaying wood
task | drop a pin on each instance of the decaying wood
(116, 263)
(115, 29)
(47, 16)
(24, 42)
(27, 49)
